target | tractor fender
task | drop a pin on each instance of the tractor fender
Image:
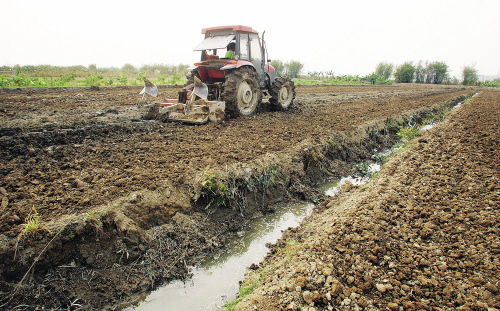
(232, 64)
(271, 74)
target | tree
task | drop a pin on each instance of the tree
(404, 73)
(419, 73)
(469, 75)
(279, 67)
(436, 72)
(440, 72)
(384, 70)
(93, 67)
(129, 68)
(293, 69)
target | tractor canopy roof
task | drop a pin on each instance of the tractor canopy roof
(217, 42)
(220, 37)
(232, 29)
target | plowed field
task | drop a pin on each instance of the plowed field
(423, 235)
(64, 153)
(67, 151)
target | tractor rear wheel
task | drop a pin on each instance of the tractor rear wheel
(241, 92)
(282, 93)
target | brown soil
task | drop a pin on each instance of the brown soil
(112, 191)
(423, 235)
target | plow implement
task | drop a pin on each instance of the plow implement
(192, 106)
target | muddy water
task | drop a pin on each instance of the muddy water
(333, 187)
(217, 281)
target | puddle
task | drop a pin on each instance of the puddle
(217, 281)
(332, 188)
(428, 127)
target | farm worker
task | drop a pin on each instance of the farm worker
(230, 50)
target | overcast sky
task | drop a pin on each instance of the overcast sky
(346, 37)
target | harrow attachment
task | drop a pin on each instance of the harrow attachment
(192, 106)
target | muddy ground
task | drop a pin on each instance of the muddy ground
(424, 234)
(121, 201)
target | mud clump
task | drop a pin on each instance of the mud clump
(423, 235)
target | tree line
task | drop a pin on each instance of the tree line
(161, 69)
(291, 68)
(428, 72)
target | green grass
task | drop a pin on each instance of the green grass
(403, 147)
(408, 133)
(213, 189)
(95, 219)
(53, 76)
(32, 225)
(246, 288)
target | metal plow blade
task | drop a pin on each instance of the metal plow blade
(198, 112)
(200, 89)
(150, 88)
(195, 112)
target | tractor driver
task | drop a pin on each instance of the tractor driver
(230, 50)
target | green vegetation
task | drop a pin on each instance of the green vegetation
(327, 78)
(420, 73)
(95, 219)
(32, 225)
(291, 69)
(290, 248)
(430, 73)
(408, 133)
(402, 147)
(55, 76)
(213, 190)
(384, 70)
(377, 79)
(246, 288)
(436, 73)
(315, 78)
(469, 75)
(363, 169)
(405, 73)
(161, 74)
(494, 83)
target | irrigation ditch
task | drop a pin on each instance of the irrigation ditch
(109, 256)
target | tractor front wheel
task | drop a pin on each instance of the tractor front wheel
(241, 92)
(282, 93)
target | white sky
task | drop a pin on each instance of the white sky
(347, 37)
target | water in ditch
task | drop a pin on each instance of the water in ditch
(217, 281)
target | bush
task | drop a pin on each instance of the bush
(469, 75)
(384, 70)
(405, 73)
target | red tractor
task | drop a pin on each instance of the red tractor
(230, 79)
(242, 76)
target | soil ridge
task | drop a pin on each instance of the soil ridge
(422, 235)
